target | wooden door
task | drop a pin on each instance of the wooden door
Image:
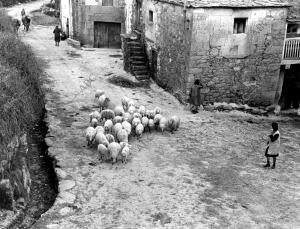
(114, 31)
(107, 35)
(100, 35)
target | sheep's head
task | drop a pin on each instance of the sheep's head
(107, 100)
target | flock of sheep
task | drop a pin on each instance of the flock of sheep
(109, 130)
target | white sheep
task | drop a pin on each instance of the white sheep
(142, 110)
(94, 122)
(135, 122)
(114, 149)
(131, 103)
(98, 93)
(157, 110)
(131, 110)
(163, 123)
(100, 129)
(110, 138)
(90, 134)
(103, 102)
(137, 115)
(107, 114)
(125, 151)
(157, 119)
(173, 123)
(150, 124)
(128, 117)
(127, 126)
(101, 139)
(119, 111)
(108, 125)
(145, 122)
(96, 115)
(116, 128)
(118, 119)
(139, 129)
(103, 152)
(125, 101)
(122, 136)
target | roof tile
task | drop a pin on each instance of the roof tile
(230, 3)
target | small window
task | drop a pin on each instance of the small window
(107, 2)
(293, 30)
(150, 16)
(239, 25)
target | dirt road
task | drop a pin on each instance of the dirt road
(209, 174)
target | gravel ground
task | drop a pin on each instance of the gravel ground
(209, 174)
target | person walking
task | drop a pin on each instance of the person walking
(273, 146)
(23, 12)
(195, 96)
(57, 32)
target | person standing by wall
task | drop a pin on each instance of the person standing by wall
(195, 96)
(57, 31)
(273, 146)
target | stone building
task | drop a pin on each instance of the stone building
(289, 88)
(96, 23)
(233, 46)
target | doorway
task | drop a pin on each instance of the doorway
(138, 14)
(153, 64)
(107, 35)
(290, 96)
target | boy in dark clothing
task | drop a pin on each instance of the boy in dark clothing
(273, 147)
(195, 96)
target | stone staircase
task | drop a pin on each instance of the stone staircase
(138, 60)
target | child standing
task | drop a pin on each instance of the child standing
(273, 146)
(195, 97)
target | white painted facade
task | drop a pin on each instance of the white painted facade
(66, 16)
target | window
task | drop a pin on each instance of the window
(293, 30)
(150, 16)
(239, 25)
(107, 2)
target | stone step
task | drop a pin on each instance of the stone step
(142, 77)
(140, 73)
(134, 43)
(139, 68)
(136, 48)
(138, 58)
(137, 52)
(137, 63)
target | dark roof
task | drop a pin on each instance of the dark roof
(230, 3)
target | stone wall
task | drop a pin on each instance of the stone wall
(294, 11)
(240, 67)
(169, 35)
(84, 17)
(14, 177)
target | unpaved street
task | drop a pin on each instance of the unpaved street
(208, 174)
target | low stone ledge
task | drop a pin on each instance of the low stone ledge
(73, 43)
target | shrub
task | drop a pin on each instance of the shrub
(39, 18)
(5, 22)
(12, 2)
(20, 89)
(21, 95)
